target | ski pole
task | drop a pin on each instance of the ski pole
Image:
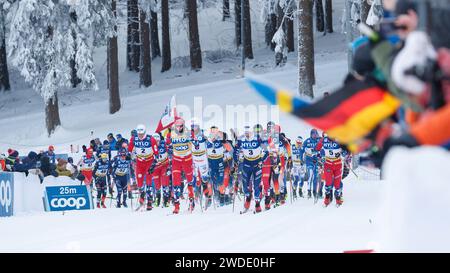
(351, 170)
(292, 190)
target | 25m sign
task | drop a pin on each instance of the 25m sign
(63, 198)
(6, 194)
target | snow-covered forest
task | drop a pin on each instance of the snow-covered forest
(66, 50)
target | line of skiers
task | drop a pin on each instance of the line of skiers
(213, 167)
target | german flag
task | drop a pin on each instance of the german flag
(347, 115)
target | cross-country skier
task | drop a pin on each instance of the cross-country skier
(120, 172)
(145, 149)
(180, 146)
(101, 174)
(200, 159)
(104, 149)
(310, 153)
(253, 155)
(86, 166)
(332, 152)
(228, 165)
(280, 152)
(162, 171)
(298, 166)
(215, 151)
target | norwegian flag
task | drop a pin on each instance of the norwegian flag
(169, 116)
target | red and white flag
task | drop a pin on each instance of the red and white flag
(169, 115)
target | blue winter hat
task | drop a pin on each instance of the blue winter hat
(118, 136)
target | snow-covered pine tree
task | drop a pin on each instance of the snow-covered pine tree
(269, 16)
(284, 36)
(165, 31)
(4, 74)
(306, 75)
(41, 45)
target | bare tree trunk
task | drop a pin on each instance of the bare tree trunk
(365, 8)
(135, 44)
(226, 9)
(128, 36)
(166, 53)
(329, 16)
(74, 78)
(270, 29)
(247, 31)
(279, 56)
(237, 22)
(114, 95)
(290, 35)
(4, 75)
(52, 119)
(146, 68)
(320, 24)
(305, 48)
(194, 39)
(156, 51)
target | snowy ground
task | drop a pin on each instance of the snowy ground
(297, 227)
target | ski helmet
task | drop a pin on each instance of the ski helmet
(270, 125)
(140, 129)
(299, 139)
